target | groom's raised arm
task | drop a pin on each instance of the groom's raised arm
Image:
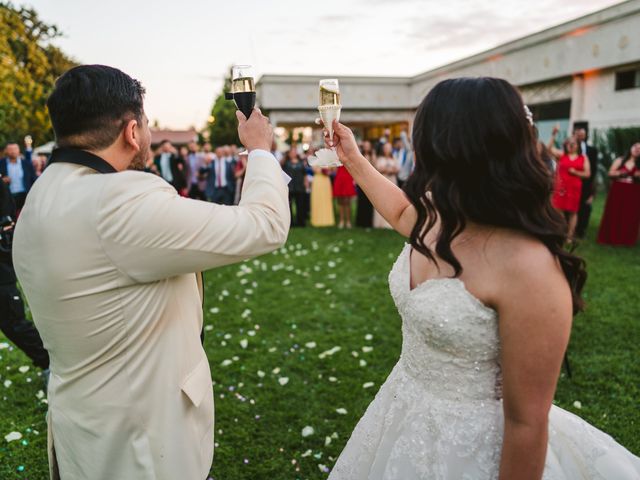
(151, 233)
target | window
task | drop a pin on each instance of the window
(628, 79)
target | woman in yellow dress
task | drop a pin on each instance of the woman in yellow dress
(322, 199)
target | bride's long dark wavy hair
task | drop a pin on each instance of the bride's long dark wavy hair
(476, 154)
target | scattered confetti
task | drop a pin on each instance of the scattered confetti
(10, 437)
(329, 352)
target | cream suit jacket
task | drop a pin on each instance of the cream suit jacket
(107, 265)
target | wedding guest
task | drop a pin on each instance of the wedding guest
(572, 167)
(295, 168)
(588, 183)
(322, 214)
(239, 173)
(39, 163)
(621, 219)
(344, 190)
(170, 166)
(13, 322)
(403, 154)
(221, 180)
(388, 166)
(364, 209)
(195, 171)
(183, 160)
(17, 171)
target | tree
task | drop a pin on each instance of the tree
(29, 66)
(223, 125)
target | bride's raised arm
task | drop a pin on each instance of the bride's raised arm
(386, 197)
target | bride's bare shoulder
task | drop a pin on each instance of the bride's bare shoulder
(519, 256)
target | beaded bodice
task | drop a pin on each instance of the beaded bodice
(450, 339)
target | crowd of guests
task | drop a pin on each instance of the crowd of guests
(324, 197)
(575, 167)
(314, 192)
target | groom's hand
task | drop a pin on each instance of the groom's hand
(255, 133)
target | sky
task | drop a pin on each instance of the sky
(180, 50)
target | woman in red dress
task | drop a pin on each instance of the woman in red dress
(344, 190)
(571, 168)
(621, 219)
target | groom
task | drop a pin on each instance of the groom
(107, 258)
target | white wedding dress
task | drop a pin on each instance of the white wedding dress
(439, 414)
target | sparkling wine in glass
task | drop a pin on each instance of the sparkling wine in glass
(329, 104)
(243, 88)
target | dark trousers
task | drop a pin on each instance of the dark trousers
(18, 329)
(19, 199)
(196, 193)
(223, 196)
(584, 213)
(300, 218)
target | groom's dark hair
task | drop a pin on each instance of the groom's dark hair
(91, 104)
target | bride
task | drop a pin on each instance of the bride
(487, 295)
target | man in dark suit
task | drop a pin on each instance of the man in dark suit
(17, 172)
(170, 166)
(13, 322)
(221, 184)
(588, 184)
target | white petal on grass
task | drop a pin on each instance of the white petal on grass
(310, 345)
(368, 385)
(368, 337)
(208, 328)
(333, 379)
(23, 369)
(327, 441)
(577, 404)
(226, 362)
(367, 349)
(341, 411)
(40, 395)
(308, 431)
(7, 383)
(261, 374)
(4, 345)
(244, 343)
(286, 282)
(10, 437)
(331, 351)
(306, 454)
(363, 363)
(283, 381)
(320, 286)
(214, 310)
(276, 371)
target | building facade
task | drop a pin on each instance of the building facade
(586, 70)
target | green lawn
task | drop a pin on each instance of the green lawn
(306, 314)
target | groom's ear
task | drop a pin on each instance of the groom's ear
(131, 135)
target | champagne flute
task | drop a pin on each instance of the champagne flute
(329, 104)
(243, 88)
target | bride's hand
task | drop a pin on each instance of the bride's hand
(344, 142)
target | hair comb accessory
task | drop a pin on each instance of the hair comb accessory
(528, 114)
